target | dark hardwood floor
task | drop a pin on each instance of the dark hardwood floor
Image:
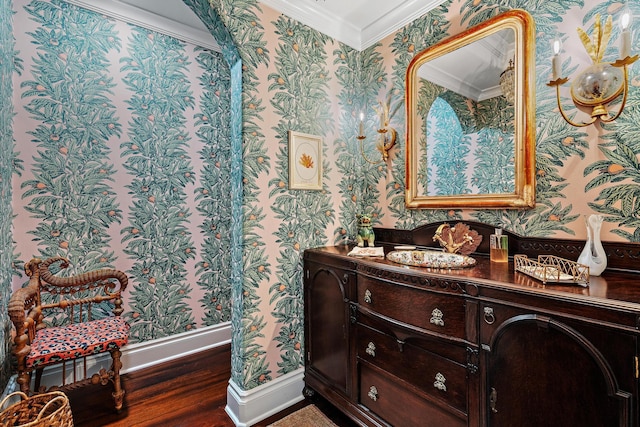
(188, 392)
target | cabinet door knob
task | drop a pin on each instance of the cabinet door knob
(489, 316)
(367, 296)
(371, 349)
(436, 317)
(493, 399)
(439, 382)
(373, 393)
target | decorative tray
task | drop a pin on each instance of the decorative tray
(553, 269)
(430, 259)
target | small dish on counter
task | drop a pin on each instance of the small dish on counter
(364, 251)
(430, 259)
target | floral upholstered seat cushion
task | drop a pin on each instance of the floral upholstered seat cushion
(59, 343)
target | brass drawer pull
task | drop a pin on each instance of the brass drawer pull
(436, 317)
(367, 296)
(371, 349)
(439, 382)
(489, 316)
(373, 393)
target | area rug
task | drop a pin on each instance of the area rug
(309, 416)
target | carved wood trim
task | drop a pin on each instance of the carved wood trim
(447, 285)
(621, 256)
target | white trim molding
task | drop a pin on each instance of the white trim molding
(151, 21)
(12, 386)
(247, 407)
(396, 19)
(337, 27)
(149, 353)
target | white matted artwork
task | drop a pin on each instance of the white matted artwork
(305, 161)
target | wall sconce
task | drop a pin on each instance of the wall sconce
(602, 82)
(507, 83)
(386, 134)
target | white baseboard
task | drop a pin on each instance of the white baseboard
(11, 386)
(149, 353)
(247, 407)
(244, 407)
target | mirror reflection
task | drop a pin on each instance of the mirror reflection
(467, 126)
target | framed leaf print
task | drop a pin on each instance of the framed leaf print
(305, 161)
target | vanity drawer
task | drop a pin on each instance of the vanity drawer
(440, 378)
(441, 313)
(442, 346)
(399, 405)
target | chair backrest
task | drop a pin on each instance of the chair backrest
(63, 300)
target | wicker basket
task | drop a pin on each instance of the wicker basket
(40, 410)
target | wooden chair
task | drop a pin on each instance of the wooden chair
(54, 322)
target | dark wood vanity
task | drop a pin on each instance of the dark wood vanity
(390, 344)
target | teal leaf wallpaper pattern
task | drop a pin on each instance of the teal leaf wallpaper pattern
(156, 156)
(404, 45)
(370, 81)
(123, 159)
(299, 88)
(616, 178)
(347, 152)
(71, 191)
(549, 216)
(249, 367)
(469, 136)
(494, 170)
(229, 185)
(110, 169)
(447, 150)
(214, 202)
(9, 64)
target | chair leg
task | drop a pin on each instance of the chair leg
(118, 392)
(24, 379)
(36, 387)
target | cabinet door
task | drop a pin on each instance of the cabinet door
(541, 372)
(327, 324)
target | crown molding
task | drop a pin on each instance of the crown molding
(347, 33)
(149, 20)
(319, 20)
(396, 19)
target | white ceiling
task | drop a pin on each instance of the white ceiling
(170, 17)
(357, 23)
(484, 60)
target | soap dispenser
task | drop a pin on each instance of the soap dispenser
(499, 246)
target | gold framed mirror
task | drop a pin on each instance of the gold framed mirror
(470, 108)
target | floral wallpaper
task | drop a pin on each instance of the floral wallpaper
(125, 140)
(9, 64)
(122, 149)
(466, 160)
(468, 143)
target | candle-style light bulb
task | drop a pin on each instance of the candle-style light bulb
(361, 128)
(555, 60)
(625, 37)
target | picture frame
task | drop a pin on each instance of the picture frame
(305, 161)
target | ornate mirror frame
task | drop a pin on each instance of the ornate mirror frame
(523, 195)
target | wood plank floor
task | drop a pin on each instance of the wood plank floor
(189, 392)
